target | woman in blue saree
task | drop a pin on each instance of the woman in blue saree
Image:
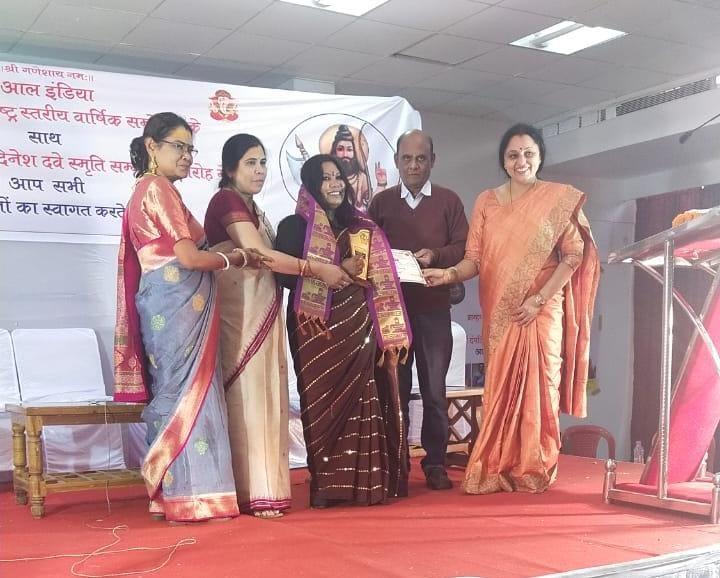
(166, 335)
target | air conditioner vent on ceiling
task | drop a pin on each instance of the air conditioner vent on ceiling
(589, 117)
(665, 96)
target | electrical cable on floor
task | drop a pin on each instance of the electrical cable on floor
(103, 550)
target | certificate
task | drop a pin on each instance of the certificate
(408, 269)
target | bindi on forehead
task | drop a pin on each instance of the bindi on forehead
(522, 150)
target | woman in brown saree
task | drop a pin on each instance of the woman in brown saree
(252, 331)
(532, 247)
(346, 344)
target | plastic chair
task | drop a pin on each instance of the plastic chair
(711, 457)
(707, 466)
(63, 365)
(583, 440)
(9, 393)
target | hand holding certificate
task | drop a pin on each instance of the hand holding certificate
(408, 269)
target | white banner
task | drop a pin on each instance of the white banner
(65, 134)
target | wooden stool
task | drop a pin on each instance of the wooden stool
(27, 423)
(466, 402)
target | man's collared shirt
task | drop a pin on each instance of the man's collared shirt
(414, 201)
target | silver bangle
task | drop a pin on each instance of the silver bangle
(244, 254)
(225, 258)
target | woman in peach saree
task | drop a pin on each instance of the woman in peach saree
(532, 248)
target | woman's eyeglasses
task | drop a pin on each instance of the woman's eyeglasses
(181, 147)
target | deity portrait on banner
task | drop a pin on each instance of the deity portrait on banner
(350, 145)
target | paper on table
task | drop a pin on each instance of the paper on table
(408, 269)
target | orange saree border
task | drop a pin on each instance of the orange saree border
(196, 508)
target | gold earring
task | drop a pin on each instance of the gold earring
(152, 166)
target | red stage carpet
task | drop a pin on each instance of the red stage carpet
(430, 534)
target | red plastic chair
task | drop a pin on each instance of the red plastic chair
(708, 465)
(711, 456)
(583, 440)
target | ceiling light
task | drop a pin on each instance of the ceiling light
(568, 37)
(351, 7)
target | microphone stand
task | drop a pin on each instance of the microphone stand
(686, 135)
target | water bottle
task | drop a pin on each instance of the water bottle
(638, 453)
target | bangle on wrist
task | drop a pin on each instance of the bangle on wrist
(539, 300)
(244, 256)
(226, 266)
(310, 272)
(304, 267)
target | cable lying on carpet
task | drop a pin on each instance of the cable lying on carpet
(102, 550)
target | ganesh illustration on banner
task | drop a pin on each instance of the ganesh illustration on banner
(223, 106)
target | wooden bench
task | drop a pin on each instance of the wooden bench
(467, 403)
(28, 421)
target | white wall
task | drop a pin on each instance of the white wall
(612, 219)
(466, 150)
(611, 347)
